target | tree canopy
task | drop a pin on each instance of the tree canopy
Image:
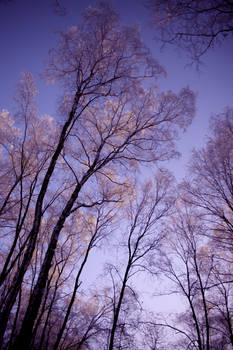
(89, 184)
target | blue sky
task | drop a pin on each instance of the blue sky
(28, 28)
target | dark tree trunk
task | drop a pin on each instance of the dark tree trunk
(13, 291)
(25, 336)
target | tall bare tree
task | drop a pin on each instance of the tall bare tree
(186, 264)
(110, 122)
(145, 212)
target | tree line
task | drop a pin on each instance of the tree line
(91, 179)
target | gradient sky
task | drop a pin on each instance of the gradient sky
(28, 28)
(27, 32)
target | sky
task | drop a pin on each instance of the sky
(28, 30)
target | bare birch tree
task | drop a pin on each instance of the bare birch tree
(110, 122)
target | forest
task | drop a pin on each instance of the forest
(89, 188)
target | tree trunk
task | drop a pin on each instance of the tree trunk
(13, 291)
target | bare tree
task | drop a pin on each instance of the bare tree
(95, 228)
(23, 162)
(108, 150)
(143, 240)
(195, 26)
(110, 123)
(211, 180)
(221, 303)
(186, 264)
(91, 78)
(209, 190)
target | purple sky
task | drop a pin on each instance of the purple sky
(27, 30)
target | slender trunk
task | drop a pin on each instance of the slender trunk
(118, 308)
(25, 336)
(204, 305)
(4, 315)
(76, 286)
(196, 326)
(228, 316)
(42, 311)
(47, 319)
(199, 341)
